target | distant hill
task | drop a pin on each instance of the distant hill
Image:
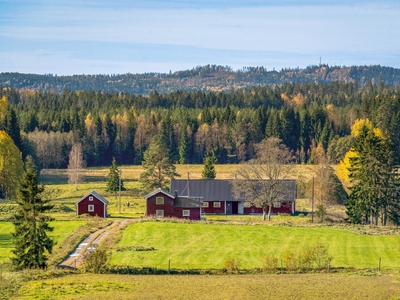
(205, 78)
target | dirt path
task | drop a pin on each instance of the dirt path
(89, 244)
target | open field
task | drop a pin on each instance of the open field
(300, 286)
(204, 245)
(62, 229)
(65, 195)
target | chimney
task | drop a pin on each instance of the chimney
(175, 194)
(234, 176)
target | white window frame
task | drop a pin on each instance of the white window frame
(186, 213)
(90, 208)
(206, 204)
(217, 204)
(277, 204)
(160, 213)
(159, 200)
(90, 198)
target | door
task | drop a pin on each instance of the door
(228, 209)
(235, 208)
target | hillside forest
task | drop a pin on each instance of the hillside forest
(307, 117)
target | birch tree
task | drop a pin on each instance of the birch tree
(76, 165)
(258, 180)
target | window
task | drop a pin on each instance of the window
(186, 213)
(217, 204)
(277, 204)
(91, 208)
(160, 213)
(90, 198)
(159, 200)
(205, 204)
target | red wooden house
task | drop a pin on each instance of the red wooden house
(92, 204)
(162, 204)
(218, 198)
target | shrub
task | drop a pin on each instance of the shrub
(232, 265)
(290, 260)
(269, 264)
(96, 261)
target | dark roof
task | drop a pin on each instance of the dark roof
(185, 202)
(159, 190)
(93, 193)
(221, 190)
(205, 189)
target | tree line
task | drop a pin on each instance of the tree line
(45, 125)
(201, 78)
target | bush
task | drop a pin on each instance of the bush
(269, 264)
(96, 262)
(290, 260)
(232, 265)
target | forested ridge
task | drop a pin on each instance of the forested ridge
(202, 78)
(310, 118)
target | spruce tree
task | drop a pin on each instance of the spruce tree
(209, 169)
(31, 224)
(183, 147)
(113, 181)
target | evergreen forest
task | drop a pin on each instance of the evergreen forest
(308, 117)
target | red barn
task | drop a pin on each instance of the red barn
(218, 198)
(92, 204)
(162, 204)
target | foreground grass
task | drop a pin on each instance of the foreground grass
(304, 286)
(62, 230)
(204, 245)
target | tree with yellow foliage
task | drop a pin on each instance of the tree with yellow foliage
(11, 166)
(371, 172)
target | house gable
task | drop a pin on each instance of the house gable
(92, 204)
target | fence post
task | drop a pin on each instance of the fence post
(281, 267)
(329, 265)
(379, 264)
(169, 266)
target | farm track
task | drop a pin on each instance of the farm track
(90, 243)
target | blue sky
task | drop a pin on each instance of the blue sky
(115, 37)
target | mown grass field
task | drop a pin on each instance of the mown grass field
(204, 245)
(62, 229)
(301, 286)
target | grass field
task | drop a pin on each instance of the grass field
(64, 195)
(62, 229)
(202, 245)
(303, 286)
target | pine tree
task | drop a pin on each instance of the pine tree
(209, 169)
(159, 169)
(113, 182)
(31, 223)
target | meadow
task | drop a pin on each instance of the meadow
(204, 245)
(62, 230)
(289, 286)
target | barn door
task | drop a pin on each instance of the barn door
(228, 207)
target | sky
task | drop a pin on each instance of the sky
(67, 37)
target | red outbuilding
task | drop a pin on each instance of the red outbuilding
(92, 204)
(162, 204)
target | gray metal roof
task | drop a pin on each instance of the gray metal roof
(221, 190)
(185, 202)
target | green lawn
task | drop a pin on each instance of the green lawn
(62, 229)
(202, 245)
